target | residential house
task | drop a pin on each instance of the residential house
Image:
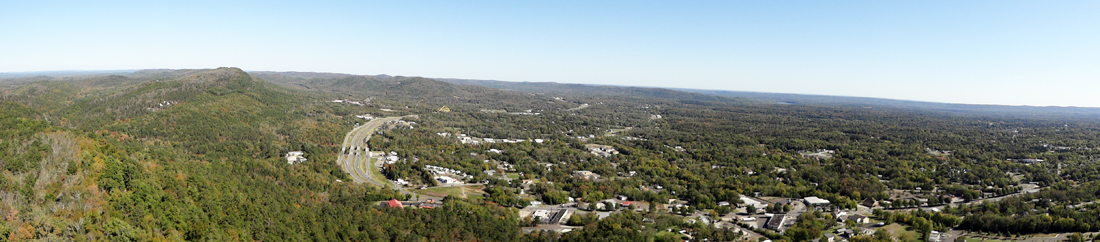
(859, 218)
(870, 202)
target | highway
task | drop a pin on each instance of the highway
(354, 155)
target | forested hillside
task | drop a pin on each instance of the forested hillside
(196, 156)
(199, 155)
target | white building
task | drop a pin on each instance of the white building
(447, 180)
(295, 157)
(816, 202)
(751, 202)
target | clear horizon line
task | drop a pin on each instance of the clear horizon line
(591, 84)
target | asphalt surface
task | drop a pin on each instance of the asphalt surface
(354, 155)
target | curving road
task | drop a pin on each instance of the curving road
(355, 157)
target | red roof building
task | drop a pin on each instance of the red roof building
(396, 204)
(628, 203)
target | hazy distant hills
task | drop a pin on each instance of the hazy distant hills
(591, 90)
(467, 89)
(1006, 110)
(7, 75)
(419, 90)
(784, 99)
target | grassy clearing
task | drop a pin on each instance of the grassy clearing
(666, 234)
(463, 192)
(377, 175)
(442, 192)
(901, 231)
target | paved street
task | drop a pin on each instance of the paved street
(355, 157)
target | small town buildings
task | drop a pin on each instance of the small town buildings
(601, 150)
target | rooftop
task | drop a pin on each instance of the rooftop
(816, 201)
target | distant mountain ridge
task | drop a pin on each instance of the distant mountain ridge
(590, 89)
(793, 99)
(8, 75)
(354, 84)
(957, 108)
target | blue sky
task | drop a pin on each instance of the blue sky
(980, 52)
